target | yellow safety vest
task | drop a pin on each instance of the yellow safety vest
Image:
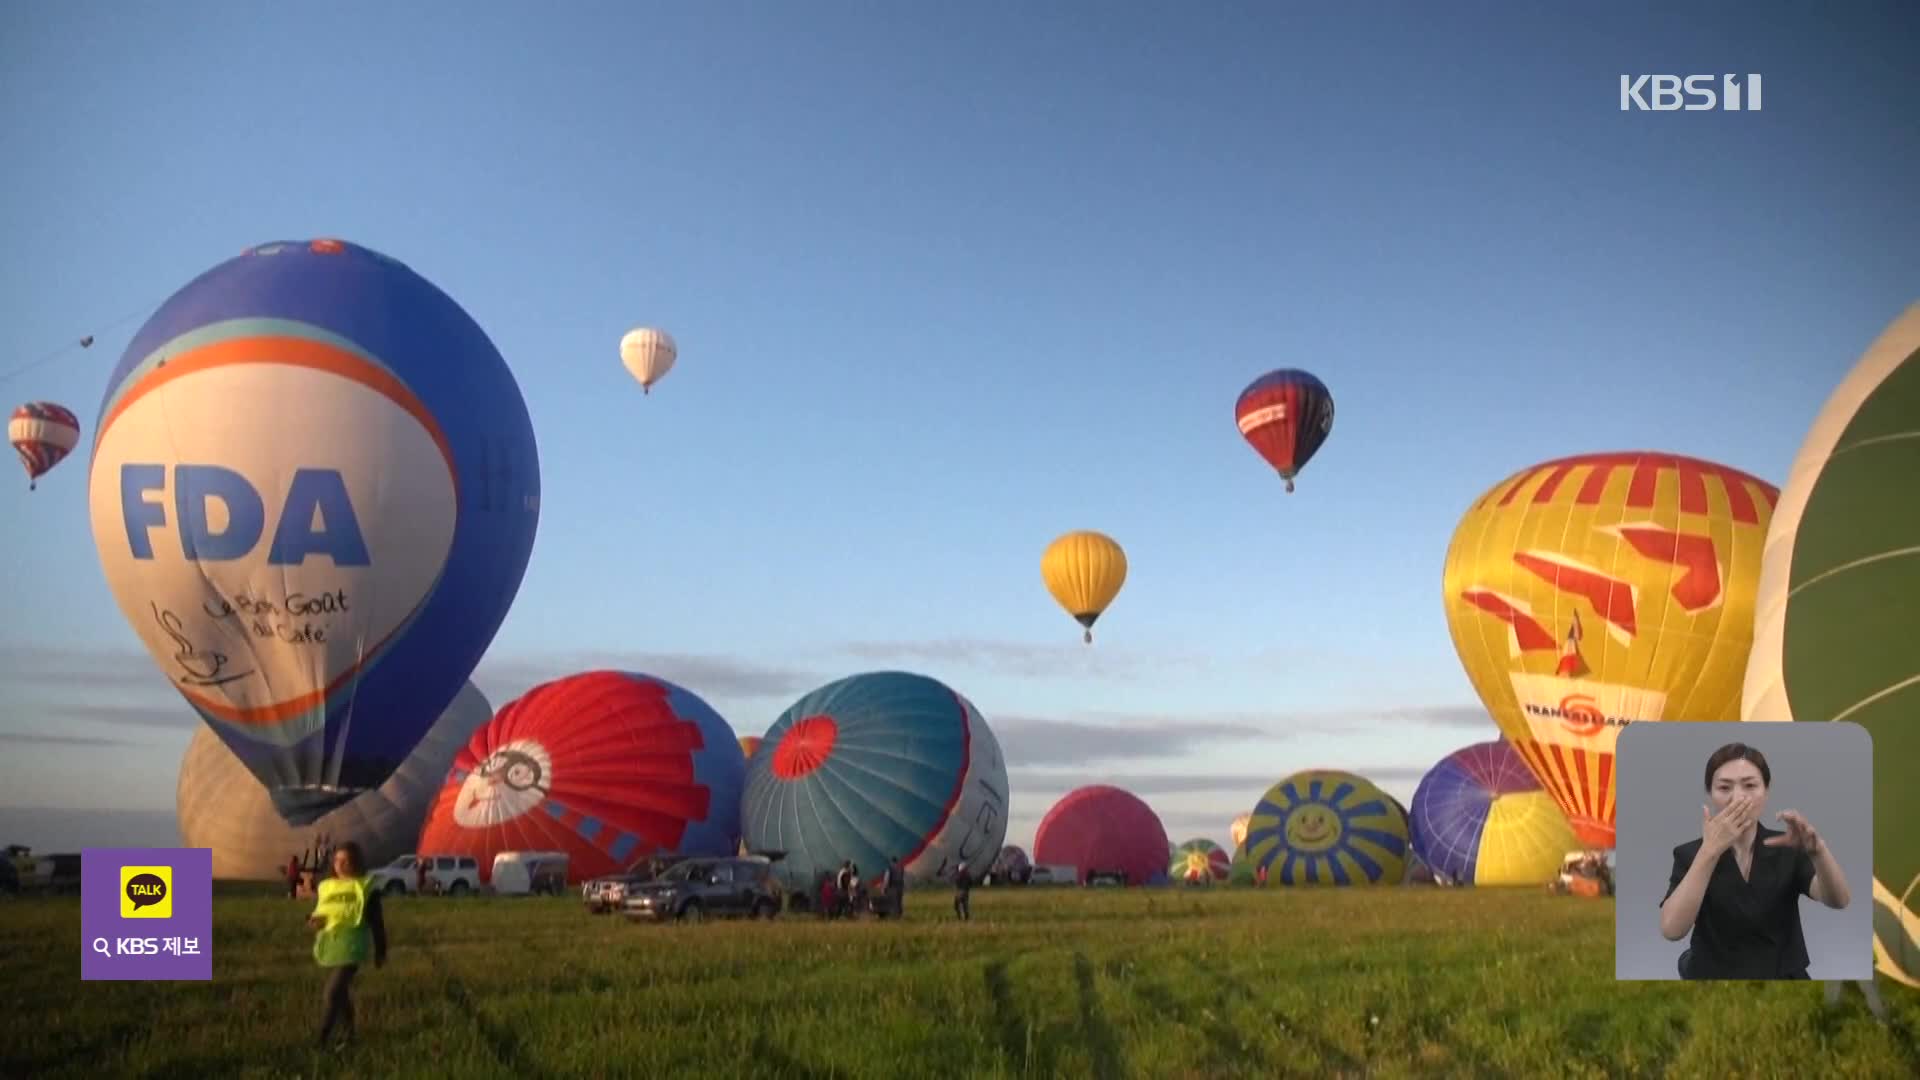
(346, 938)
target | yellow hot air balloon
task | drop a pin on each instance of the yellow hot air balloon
(1084, 571)
(1589, 592)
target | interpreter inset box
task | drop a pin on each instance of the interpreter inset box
(1743, 851)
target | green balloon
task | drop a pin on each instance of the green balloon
(1834, 635)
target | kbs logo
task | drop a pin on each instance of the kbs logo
(1670, 93)
(1580, 714)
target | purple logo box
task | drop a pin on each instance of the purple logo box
(176, 947)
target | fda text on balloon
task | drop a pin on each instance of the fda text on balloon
(316, 516)
(1671, 93)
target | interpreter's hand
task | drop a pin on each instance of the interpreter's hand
(1800, 834)
(315, 922)
(1718, 832)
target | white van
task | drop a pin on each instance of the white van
(529, 873)
(1054, 874)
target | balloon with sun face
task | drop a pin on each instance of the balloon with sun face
(874, 767)
(1199, 862)
(610, 767)
(1324, 827)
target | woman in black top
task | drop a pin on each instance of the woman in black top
(1738, 887)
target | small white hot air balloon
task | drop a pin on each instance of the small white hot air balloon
(648, 355)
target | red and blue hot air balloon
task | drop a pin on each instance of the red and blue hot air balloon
(43, 434)
(314, 490)
(1285, 416)
(873, 767)
(610, 767)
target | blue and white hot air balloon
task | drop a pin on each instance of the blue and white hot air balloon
(872, 767)
(314, 490)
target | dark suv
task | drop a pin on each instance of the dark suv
(737, 886)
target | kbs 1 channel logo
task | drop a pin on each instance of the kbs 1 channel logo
(146, 914)
(1689, 93)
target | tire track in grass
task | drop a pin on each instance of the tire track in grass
(1289, 1025)
(1031, 1056)
(501, 1039)
(1109, 1060)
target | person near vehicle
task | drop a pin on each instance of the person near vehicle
(1737, 888)
(829, 898)
(420, 877)
(292, 872)
(963, 893)
(894, 887)
(350, 929)
(843, 888)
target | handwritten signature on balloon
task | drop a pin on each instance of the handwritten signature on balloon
(289, 619)
(198, 667)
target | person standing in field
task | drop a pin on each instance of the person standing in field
(843, 888)
(292, 872)
(962, 893)
(350, 929)
(895, 889)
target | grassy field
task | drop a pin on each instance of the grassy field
(1067, 982)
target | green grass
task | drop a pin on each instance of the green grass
(1071, 982)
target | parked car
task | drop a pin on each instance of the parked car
(605, 894)
(733, 887)
(529, 873)
(453, 875)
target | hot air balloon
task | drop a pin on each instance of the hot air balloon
(1199, 862)
(43, 434)
(1832, 638)
(1012, 865)
(1326, 827)
(222, 807)
(314, 489)
(1102, 829)
(1590, 592)
(1481, 817)
(1285, 416)
(1084, 571)
(1240, 869)
(873, 767)
(611, 767)
(648, 355)
(748, 744)
(1238, 830)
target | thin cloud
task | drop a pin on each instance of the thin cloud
(34, 738)
(1142, 784)
(1025, 659)
(99, 671)
(173, 715)
(1041, 741)
(705, 674)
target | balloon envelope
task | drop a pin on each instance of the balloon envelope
(872, 767)
(1480, 816)
(1326, 827)
(314, 489)
(648, 355)
(1286, 416)
(1100, 828)
(610, 767)
(1833, 638)
(1238, 830)
(1199, 860)
(222, 807)
(1084, 571)
(42, 434)
(1591, 592)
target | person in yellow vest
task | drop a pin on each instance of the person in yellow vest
(350, 927)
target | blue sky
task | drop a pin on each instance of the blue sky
(947, 283)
